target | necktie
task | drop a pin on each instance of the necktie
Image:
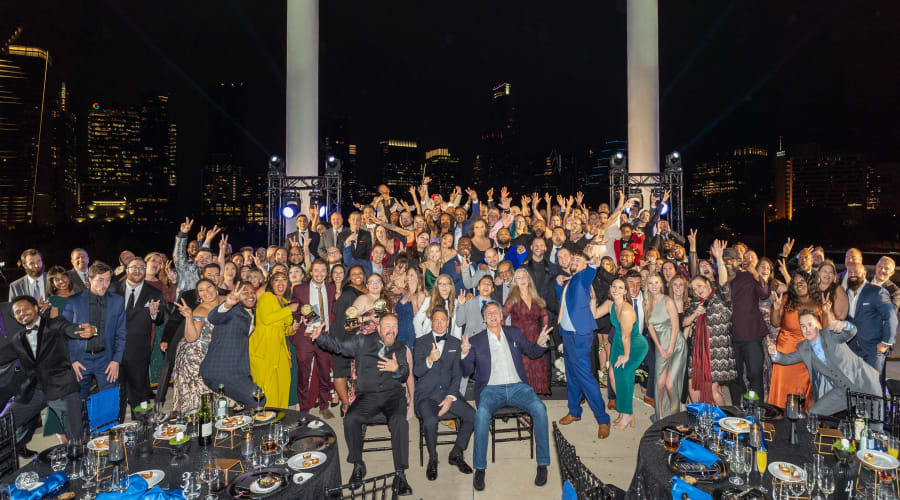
(130, 305)
(553, 255)
(321, 304)
(37, 291)
(439, 338)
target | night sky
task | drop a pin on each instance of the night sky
(731, 73)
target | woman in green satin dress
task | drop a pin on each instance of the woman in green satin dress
(628, 351)
(671, 350)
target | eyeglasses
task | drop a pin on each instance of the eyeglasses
(136, 268)
(373, 282)
(445, 284)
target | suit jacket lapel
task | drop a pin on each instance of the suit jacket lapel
(23, 338)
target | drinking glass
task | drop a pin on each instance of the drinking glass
(190, 483)
(214, 482)
(797, 488)
(892, 447)
(281, 440)
(747, 457)
(58, 459)
(810, 477)
(735, 459)
(825, 479)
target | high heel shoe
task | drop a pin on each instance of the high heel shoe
(621, 427)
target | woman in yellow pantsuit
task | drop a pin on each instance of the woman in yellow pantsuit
(270, 359)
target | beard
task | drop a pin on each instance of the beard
(854, 283)
(34, 273)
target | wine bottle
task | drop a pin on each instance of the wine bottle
(221, 403)
(204, 420)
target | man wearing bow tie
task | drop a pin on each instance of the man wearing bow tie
(41, 348)
(438, 374)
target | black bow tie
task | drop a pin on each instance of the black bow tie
(439, 338)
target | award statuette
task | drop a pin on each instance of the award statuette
(380, 308)
(352, 320)
(309, 314)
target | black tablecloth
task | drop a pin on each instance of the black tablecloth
(328, 474)
(654, 475)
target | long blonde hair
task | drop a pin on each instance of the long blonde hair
(515, 293)
(438, 301)
(686, 295)
(648, 297)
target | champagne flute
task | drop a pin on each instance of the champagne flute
(88, 473)
(826, 480)
(747, 457)
(811, 473)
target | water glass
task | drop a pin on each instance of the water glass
(735, 459)
(58, 459)
(215, 479)
(825, 480)
(810, 477)
(89, 469)
(190, 483)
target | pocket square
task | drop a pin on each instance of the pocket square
(865, 303)
(452, 350)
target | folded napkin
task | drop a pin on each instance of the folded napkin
(696, 453)
(679, 487)
(700, 408)
(53, 484)
(137, 489)
(569, 492)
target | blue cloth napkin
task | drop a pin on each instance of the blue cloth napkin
(137, 489)
(569, 492)
(680, 487)
(696, 453)
(53, 484)
(698, 408)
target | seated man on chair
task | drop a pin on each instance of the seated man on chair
(437, 371)
(381, 369)
(833, 367)
(41, 347)
(500, 380)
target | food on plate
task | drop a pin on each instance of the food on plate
(230, 422)
(101, 443)
(265, 415)
(795, 474)
(66, 496)
(689, 480)
(682, 428)
(785, 468)
(741, 424)
(868, 457)
(307, 456)
(267, 481)
(168, 431)
(315, 461)
(146, 475)
(307, 463)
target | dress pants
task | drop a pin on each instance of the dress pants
(519, 395)
(366, 406)
(579, 379)
(650, 359)
(866, 350)
(134, 383)
(94, 365)
(309, 354)
(427, 409)
(748, 359)
(67, 408)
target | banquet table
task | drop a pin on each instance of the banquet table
(326, 474)
(652, 477)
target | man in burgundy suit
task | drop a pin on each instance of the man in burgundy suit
(320, 296)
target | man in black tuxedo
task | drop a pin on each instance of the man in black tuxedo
(40, 345)
(438, 372)
(381, 368)
(142, 315)
(304, 237)
(362, 244)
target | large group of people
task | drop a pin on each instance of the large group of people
(395, 311)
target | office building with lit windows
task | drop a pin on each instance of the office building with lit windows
(443, 168)
(63, 149)
(401, 164)
(113, 153)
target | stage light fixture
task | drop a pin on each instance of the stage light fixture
(618, 163)
(332, 165)
(673, 162)
(290, 210)
(664, 210)
(331, 159)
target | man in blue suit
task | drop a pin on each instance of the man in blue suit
(100, 355)
(872, 312)
(576, 327)
(495, 356)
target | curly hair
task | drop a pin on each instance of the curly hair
(812, 289)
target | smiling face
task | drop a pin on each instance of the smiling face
(799, 285)
(279, 285)
(154, 263)
(207, 292)
(357, 276)
(25, 312)
(700, 287)
(492, 316)
(374, 284)
(80, 260)
(337, 275)
(439, 322)
(445, 287)
(810, 327)
(491, 258)
(136, 270)
(750, 259)
(617, 290)
(654, 285)
(387, 329)
(884, 269)
(485, 287)
(826, 276)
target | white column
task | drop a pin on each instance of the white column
(302, 102)
(643, 88)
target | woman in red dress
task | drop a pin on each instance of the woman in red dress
(528, 312)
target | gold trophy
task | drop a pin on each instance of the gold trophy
(352, 320)
(380, 308)
(309, 314)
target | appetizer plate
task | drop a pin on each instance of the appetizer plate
(168, 431)
(787, 472)
(152, 476)
(735, 425)
(307, 460)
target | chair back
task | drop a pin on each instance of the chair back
(572, 469)
(373, 488)
(103, 410)
(9, 461)
(872, 408)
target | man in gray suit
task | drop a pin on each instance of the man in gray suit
(78, 275)
(331, 236)
(469, 312)
(34, 283)
(833, 367)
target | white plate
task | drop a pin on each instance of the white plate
(315, 424)
(775, 470)
(730, 424)
(303, 460)
(126, 426)
(157, 434)
(259, 490)
(269, 414)
(94, 446)
(239, 421)
(156, 476)
(302, 477)
(879, 460)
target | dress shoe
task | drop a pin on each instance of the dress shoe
(431, 470)
(26, 453)
(649, 401)
(326, 414)
(603, 431)
(540, 478)
(358, 474)
(460, 462)
(478, 480)
(401, 486)
(568, 419)
(611, 405)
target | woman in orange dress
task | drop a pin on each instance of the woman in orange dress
(803, 293)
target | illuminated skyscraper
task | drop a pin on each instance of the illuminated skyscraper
(443, 168)
(63, 145)
(401, 164)
(113, 148)
(834, 182)
(155, 178)
(25, 184)
(784, 184)
(500, 155)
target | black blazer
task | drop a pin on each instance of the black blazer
(363, 246)
(442, 379)
(314, 240)
(140, 327)
(50, 366)
(11, 378)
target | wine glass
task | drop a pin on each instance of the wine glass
(735, 462)
(58, 459)
(797, 488)
(825, 479)
(214, 482)
(810, 477)
(281, 440)
(89, 472)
